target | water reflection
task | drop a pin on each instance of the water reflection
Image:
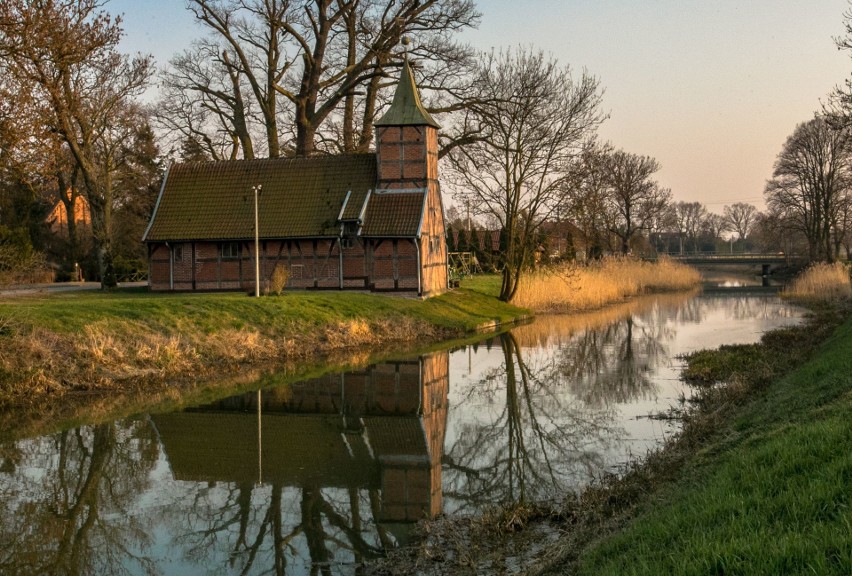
(527, 441)
(567, 398)
(345, 464)
(319, 476)
(68, 502)
(300, 479)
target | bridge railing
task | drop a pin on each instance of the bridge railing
(728, 255)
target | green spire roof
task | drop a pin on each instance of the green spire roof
(406, 109)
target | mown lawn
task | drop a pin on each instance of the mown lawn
(461, 310)
(770, 494)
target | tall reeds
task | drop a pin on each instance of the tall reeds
(822, 281)
(571, 287)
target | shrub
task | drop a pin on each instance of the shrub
(278, 280)
(19, 267)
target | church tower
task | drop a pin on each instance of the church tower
(407, 157)
(407, 139)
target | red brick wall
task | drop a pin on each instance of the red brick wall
(311, 263)
(407, 155)
(392, 264)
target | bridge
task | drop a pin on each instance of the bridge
(764, 260)
(756, 259)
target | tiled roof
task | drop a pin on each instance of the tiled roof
(406, 108)
(394, 214)
(301, 197)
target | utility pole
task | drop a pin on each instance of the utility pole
(256, 190)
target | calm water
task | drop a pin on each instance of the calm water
(317, 476)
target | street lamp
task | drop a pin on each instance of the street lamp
(256, 190)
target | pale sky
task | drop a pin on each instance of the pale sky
(710, 88)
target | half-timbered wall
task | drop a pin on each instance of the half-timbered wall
(392, 264)
(407, 156)
(312, 263)
(433, 245)
(384, 264)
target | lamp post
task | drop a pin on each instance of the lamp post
(256, 190)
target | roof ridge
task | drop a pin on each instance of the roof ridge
(288, 159)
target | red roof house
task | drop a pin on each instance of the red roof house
(354, 221)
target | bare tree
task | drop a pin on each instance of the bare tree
(64, 52)
(538, 118)
(635, 197)
(689, 218)
(322, 62)
(714, 225)
(586, 197)
(838, 109)
(740, 218)
(810, 184)
(203, 105)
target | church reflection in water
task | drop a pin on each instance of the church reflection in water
(378, 431)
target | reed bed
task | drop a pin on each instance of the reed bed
(573, 287)
(822, 282)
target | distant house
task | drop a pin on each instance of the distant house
(356, 221)
(562, 240)
(57, 217)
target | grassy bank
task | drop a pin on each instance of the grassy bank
(88, 341)
(767, 490)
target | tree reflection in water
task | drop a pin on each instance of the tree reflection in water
(66, 501)
(313, 477)
(536, 444)
(555, 412)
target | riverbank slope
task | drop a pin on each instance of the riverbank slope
(55, 344)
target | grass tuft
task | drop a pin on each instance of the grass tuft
(822, 282)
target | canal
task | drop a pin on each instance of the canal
(322, 475)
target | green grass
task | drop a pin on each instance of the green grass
(461, 310)
(488, 284)
(768, 494)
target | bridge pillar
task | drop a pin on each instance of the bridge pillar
(764, 270)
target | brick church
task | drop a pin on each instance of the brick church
(353, 221)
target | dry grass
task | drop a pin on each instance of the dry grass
(278, 281)
(110, 354)
(575, 287)
(822, 282)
